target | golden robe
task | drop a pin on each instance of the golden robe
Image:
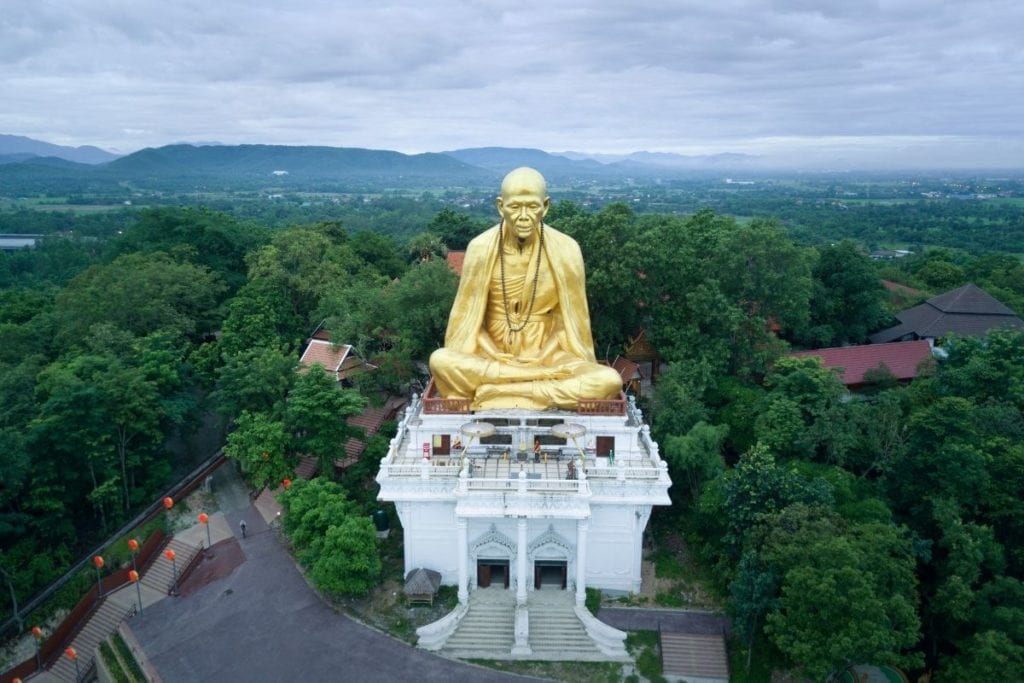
(463, 369)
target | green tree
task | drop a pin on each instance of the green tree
(330, 537)
(424, 247)
(848, 298)
(255, 380)
(696, 457)
(454, 229)
(758, 488)
(753, 594)
(985, 656)
(140, 294)
(315, 416)
(347, 561)
(197, 235)
(260, 445)
(857, 578)
(804, 414)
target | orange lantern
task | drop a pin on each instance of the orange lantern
(133, 575)
(71, 654)
(203, 518)
(168, 502)
(133, 545)
(169, 555)
(287, 483)
(98, 561)
(37, 633)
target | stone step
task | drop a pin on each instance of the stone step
(480, 635)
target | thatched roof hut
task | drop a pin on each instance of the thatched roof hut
(421, 585)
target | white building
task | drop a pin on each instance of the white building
(552, 498)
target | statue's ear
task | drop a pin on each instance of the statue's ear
(547, 206)
(498, 203)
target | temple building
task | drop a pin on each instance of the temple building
(525, 500)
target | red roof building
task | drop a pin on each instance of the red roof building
(455, 259)
(902, 359)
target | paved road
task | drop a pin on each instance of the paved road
(264, 623)
(669, 620)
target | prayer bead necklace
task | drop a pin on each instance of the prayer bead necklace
(536, 277)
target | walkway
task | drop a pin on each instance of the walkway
(669, 620)
(263, 622)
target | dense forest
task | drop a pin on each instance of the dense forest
(133, 339)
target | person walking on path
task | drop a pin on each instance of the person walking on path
(242, 525)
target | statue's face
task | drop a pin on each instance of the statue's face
(522, 208)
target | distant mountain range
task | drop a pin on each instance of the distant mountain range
(266, 161)
(16, 145)
(291, 166)
(730, 160)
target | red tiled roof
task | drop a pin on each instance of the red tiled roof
(455, 259)
(902, 358)
(307, 467)
(627, 369)
(324, 354)
(370, 420)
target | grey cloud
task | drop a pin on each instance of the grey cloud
(413, 76)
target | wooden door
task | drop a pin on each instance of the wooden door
(604, 445)
(442, 444)
(483, 575)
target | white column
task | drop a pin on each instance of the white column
(463, 527)
(521, 563)
(581, 561)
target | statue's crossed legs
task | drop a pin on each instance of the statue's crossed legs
(491, 384)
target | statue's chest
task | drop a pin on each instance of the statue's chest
(515, 280)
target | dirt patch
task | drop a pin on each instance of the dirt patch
(669, 578)
(386, 609)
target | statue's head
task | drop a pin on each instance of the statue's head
(523, 202)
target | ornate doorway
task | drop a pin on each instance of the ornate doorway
(550, 574)
(492, 572)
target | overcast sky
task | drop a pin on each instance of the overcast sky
(916, 82)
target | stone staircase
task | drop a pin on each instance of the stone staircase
(113, 610)
(160, 575)
(487, 629)
(101, 624)
(556, 633)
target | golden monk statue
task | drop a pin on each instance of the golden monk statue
(519, 330)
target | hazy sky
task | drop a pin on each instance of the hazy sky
(847, 81)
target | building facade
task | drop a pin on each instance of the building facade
(523, 499)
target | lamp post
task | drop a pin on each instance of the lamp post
(72, 654)
(97, 562)
(133, 546)
(174, 568)
(133, 576)
(204, 519)
(37, 633)
(168, 504)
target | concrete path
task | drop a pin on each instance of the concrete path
(669, 620)
(264, 623)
